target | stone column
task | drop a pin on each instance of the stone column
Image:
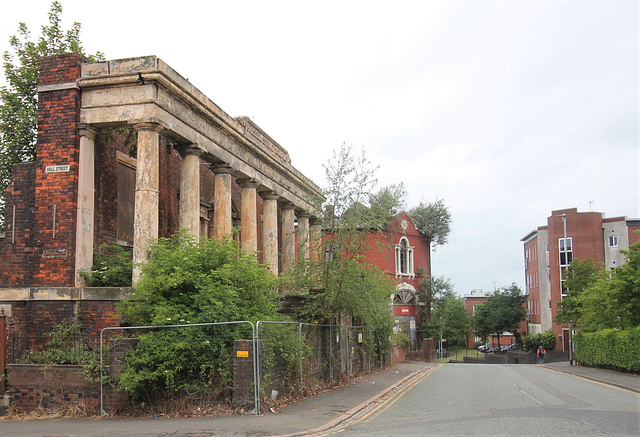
(303, 234)
(222, 224)
(288, 237)
(270, 231)
(147, 198)
(248, 216)
(86, 205)
(315, 237)
(190, 191)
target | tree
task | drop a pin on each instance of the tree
(19, 98)
(599, 299)
(502, 312)
(387, 202)
(626, 286)
(579, 276)
(431, 291)
(344, 283)
(455, 321)
(433, 221)
(441, 313)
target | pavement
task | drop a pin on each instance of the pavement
(621, 380)
(307, 417)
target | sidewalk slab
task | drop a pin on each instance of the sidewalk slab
(626, 381)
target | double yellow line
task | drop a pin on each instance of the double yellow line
(384, 405)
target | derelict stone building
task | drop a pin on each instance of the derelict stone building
(129, 151)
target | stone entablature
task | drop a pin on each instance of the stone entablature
(145, 89)
(64, 293)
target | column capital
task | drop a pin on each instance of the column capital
(222, 169)
(302, 214)
(269, 195)
(288, 206)
(189, 150)
(148, 126)
(87, 130)
(247, 183)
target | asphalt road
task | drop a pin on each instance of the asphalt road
(493, 399)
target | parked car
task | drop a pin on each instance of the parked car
(483, 348)
(506, 348)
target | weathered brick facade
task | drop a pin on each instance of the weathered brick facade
(52, 388)
(39, 243)
(56, 192)
(72, 193)
(18, 248)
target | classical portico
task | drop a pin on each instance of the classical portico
(150, 96)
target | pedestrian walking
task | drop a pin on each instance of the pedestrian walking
(541, 354)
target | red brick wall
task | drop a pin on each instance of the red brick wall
(106, 187)
(16, 268)
(385, 259)
(31, 320)
(170, 163)
(37, 258)
(32, 387)
(97, 315)
(58, 142)
(634, 235)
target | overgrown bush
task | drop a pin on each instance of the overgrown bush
(547, 339)
(401, 339)
(188, 282)
(609, 348)
(112, 267)
(68, 344)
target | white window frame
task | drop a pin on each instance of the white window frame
(567, 250)
(613, 241)
(403, 247)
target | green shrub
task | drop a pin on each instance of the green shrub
(112, 267)
(531, 343)
(68, 344)
(609, 348)
(401, 339)
(548, 339)
(189, 282)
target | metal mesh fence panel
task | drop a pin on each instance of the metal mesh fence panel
(279, 350)
(186, 369)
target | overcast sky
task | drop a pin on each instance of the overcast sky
(507, 110)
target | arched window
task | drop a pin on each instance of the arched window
(404, 258)
(405, 295)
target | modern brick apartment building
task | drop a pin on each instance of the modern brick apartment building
(549, 249)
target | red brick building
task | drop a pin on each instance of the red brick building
(471, 301)
(405, 257)
(549, 249)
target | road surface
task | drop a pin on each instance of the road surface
(493, 399)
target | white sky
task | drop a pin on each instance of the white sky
(507, 110)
